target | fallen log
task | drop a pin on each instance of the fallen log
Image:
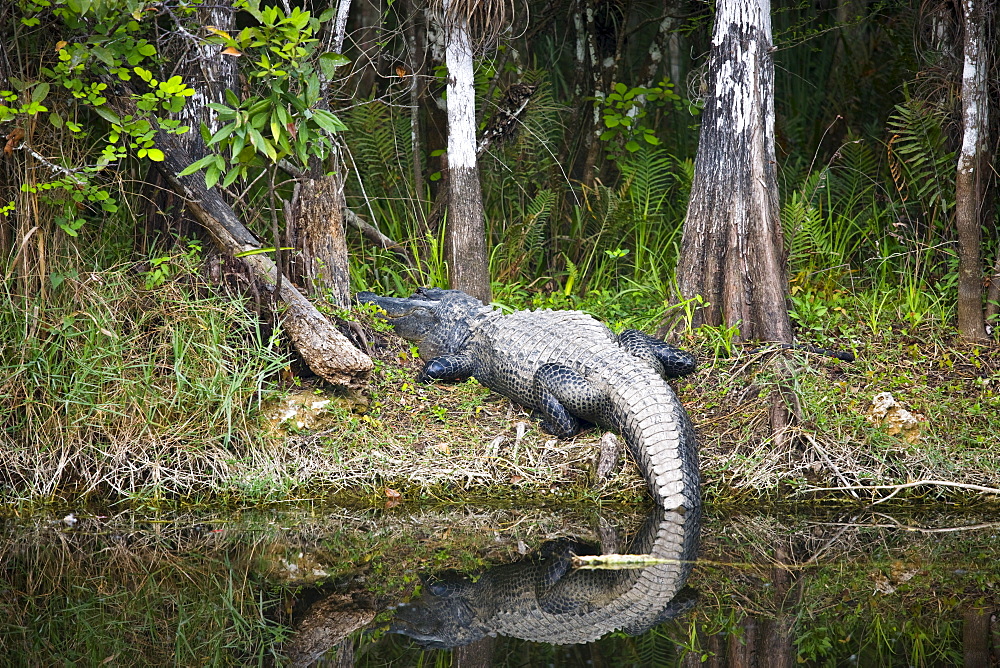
(327, 352)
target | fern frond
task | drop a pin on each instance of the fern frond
(854, 176)
(646, 179)
(922, 167)
(804, 231)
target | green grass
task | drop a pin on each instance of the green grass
(113, 387)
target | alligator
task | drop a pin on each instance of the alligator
(566, 366)
(542, 600)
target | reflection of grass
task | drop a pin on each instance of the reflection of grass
(132, 596)
(201, 591)
(887, 591)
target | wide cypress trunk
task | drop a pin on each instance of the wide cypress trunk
(465, 235)
(732, 252)
(970, 178)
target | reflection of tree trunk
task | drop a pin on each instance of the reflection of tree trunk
(478, 654)
(971, 175)
(742, 652)
(326, 625)
(778, 648)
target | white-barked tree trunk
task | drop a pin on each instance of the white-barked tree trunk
(465, 235)
(970, 179)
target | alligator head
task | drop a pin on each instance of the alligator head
(437, 320)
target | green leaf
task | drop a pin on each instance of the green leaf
(107, 114)
(211, 176)
(256, 140)
(328, 121)
(620, 88)
(312, 90)
(611, 121)
(39, 93)
(632, 146)
(329, 62)
(231, 176)
(155, 154)
(198, 164)
(223, 133)
(302, 148)
(103, 55)
(231, 98)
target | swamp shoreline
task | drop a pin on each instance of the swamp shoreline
(403, 442)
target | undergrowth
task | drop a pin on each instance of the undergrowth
(128, 383)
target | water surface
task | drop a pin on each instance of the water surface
(431, 586)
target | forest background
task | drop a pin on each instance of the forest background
(139, 352)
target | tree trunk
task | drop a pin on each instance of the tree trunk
(323, 348)
(320, 240)
(210, 74)
(592, 127)
(416, 50)
(976, 638)
(732, 251)
(970, 178)
(314, 220)
(465, 236)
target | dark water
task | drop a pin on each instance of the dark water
(486, 587)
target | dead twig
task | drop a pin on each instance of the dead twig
(896, 489)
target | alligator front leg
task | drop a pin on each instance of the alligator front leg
(447, 367)
(672, 362)
(564, 397)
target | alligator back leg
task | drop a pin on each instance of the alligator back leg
(670, 361)
(564, 398)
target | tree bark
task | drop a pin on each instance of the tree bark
(976, 638)
(732, 250)
(970, 178)
(324, 349)
(210, 74)
(465, 235)
(416, 51)
(320, 240)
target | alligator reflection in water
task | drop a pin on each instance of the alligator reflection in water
(865, 589)
(544, 600)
